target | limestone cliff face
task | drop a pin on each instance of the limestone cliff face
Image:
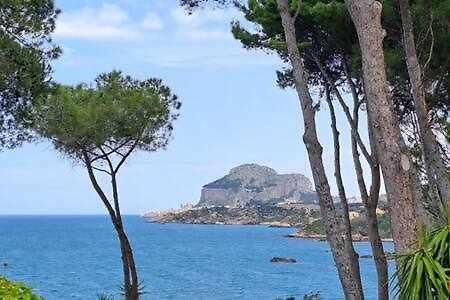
(252, 183)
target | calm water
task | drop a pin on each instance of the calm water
(76, 257)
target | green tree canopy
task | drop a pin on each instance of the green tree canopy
(326, 31)
(117, 113)
(26, 49)
(323, 28)
(100, 126)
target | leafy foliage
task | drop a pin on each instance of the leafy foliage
(26, 50)
(117, 115)
(16, 291)
(192, 4)
(101, 126)
(425, 273)
(325, 30)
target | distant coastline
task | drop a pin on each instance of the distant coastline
(251, 194)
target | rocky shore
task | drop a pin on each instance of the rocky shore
(302, 234)
(251, 194)
(280, 215)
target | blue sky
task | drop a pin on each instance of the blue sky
(232, 112)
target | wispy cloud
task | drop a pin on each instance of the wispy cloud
(163, 36)
(202, 25)
(226, 60)
(106, 22)
(152, 22)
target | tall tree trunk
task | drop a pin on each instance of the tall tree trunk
(131, 284)
(335, 229)
(434, 164)
(394, 158)
(370, 200)
(130, 278)
(340, 184)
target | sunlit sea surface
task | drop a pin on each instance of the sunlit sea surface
(77, 257)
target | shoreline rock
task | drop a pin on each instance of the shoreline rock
(278, 215)
(300, 234)
(277, 224)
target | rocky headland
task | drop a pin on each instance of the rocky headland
(251, 194)
(252, 183)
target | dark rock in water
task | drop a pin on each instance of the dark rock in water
(282, 260)
(5, 264)
(312, 296)
(366, 256)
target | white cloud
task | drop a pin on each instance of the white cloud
(202, 24)
(106, 22)
(229, 59)
(182, 18)
(205, 34)
(152, 22)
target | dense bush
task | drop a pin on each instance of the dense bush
(16, 291)
(425, 272)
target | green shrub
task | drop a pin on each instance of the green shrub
(16, 291)
(424, 274)
(315, 227)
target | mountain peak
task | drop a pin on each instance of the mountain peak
(253, 183)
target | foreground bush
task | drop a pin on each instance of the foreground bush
(16, 291)
(425, 273)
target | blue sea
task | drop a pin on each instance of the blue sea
(77, 257)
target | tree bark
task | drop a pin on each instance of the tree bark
(434, 164)
(335, 229)
(131, 284)
(130, 277)
(340, 184)
(337, 169)
(370, 200)
(394, 158)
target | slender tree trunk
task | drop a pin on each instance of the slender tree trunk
(130, 278)
(345, 262)
(434, 164)
(394, 158)
(340, 185)
(337, 168)
(370, 201)
(131, 284)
